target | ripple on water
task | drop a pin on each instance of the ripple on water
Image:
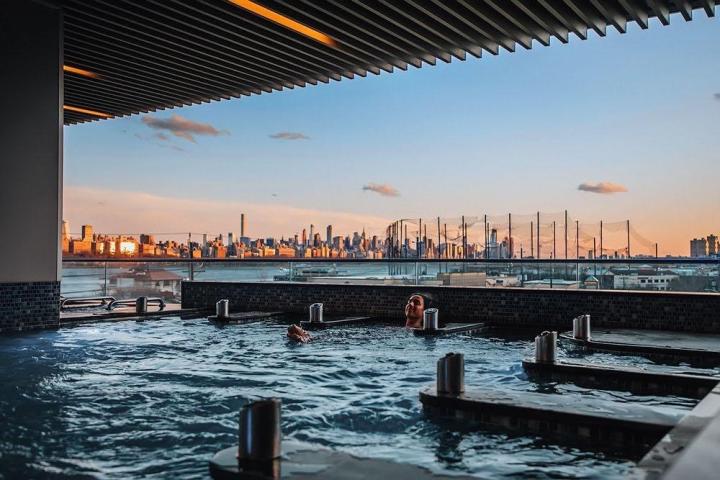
(130, 400)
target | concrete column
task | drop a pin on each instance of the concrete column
(31, 99)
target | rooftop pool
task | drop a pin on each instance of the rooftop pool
(158, 398)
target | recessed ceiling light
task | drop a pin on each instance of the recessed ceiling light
(85, 111)
(80, 71)
(286, 22)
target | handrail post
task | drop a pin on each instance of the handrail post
(105, 281)
(191, 268)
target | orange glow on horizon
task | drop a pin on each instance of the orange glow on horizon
(86, 111)
(80, 71)
(284, 21)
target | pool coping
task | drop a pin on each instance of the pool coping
(655, 350)
(306, 460)
(601, 424)
(636, 380)
(688, 451)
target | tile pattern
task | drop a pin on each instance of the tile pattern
(511, 307)
(29, 306)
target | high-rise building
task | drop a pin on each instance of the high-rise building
(698, 247)
(328, 236)
(65, 230)
(231, 238)
(242, 225)
(312, 232)
(304, 237)
(712, 245)
(87, 233)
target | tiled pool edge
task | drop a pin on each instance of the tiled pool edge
(690, 449)
(506, 307)
(29, 306)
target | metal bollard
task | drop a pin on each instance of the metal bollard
(430, 319)
(451, 374)
(545, 347)
(141, 305)
(581, 327)
(316, 313)
(222, 308)
(259, 430)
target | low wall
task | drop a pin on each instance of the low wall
(512, 307)
(29, 306)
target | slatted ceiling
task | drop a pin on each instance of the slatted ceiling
(156, 54)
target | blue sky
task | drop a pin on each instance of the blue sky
(516, 132)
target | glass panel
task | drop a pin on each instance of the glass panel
(83, 279)
(134, 278)
(151, 279)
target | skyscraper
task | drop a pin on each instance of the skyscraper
(698, 247)
(242, 225)
(304, 237)
(87, 233)
(712, 244)
(312, 231)
(65, 230)
(328, 235)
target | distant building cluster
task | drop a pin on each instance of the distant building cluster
(705, 247)
(305, 245)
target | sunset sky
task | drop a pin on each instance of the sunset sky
(626, 126)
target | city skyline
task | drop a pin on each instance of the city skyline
(627, 133)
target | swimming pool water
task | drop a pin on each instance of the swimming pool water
(157, 399)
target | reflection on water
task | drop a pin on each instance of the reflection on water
(157, 399)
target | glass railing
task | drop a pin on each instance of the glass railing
(163, 277)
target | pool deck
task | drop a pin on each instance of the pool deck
(307, 325)
(597, 423)
(304, 461)
(451, 328)
(84, 316)
(636, 380)
(703, 347)
(688, 451)
(240, 318)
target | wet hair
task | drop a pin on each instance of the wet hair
(428, 299)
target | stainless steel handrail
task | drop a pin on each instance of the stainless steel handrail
(131, 302)
(79, 302)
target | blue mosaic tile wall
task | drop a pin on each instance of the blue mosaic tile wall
(29, 306)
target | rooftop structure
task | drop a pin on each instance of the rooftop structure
(129, 57)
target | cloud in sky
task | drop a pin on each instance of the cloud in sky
(383, 189)
(289, 136)
(164, 141)
(182, 127)
(602, 187)
(134, 212)
(717, 96)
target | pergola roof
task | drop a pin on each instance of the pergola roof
(155, 54)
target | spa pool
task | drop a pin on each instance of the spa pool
(157, 399)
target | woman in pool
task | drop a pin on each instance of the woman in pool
(414, 309)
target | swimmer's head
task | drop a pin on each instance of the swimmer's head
(416, 305)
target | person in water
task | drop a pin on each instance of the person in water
(297, 333)
(415, 307)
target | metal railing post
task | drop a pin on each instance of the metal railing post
(105, 281)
